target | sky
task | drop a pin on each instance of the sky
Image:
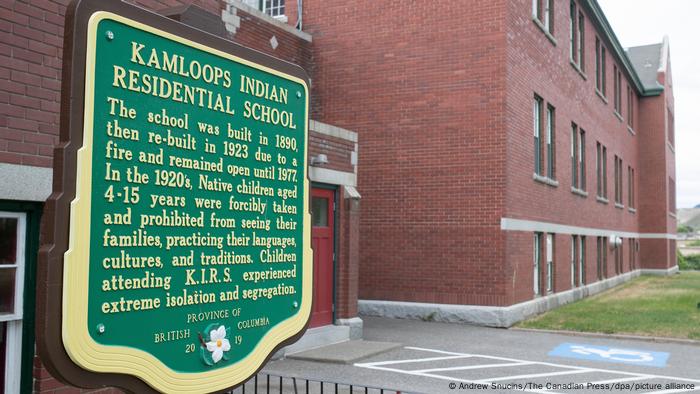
(641, 22)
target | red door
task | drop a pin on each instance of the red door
(322, 201)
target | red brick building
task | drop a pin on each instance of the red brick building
(31, 49)
(514, 156)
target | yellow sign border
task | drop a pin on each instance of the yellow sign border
(78, 342)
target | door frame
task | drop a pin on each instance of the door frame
(335, 189)
(33, 212)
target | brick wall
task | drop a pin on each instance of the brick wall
(421, 85)
(31, 52)
(536, 65)
(31, 40)
(446, 142)
(658, 166)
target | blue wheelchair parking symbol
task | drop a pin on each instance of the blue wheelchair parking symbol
(611, 354)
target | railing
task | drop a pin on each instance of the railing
(274, 384)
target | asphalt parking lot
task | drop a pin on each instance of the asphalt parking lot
(448, 358)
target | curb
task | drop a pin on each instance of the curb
(612, 336)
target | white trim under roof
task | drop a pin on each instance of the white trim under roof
(509, 224)
(333, 177)
(332, 131)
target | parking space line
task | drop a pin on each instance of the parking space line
(515, 360)
(536, 375)
(417, 360)
(473, 367)
(511, 362)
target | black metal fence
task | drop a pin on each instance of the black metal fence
(274, 384)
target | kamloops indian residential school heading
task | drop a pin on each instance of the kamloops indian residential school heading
(194, 95)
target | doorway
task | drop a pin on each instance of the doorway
(322, 239)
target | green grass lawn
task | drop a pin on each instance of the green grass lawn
(648, 305)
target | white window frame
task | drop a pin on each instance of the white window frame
(13, 342)
(282, 16)
(550, 161)
(550, 263)
(581, 260)
(537, 125)
(574, 242)
(538, 263)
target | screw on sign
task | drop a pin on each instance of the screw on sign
(615, 354)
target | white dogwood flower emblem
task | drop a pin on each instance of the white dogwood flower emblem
(218, 343)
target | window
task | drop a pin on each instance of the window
(537, 124)
(572, 32)
(617, 81)
(550, 263)
(618, 180)
(632, 253)
(578, 158)
(605, 172)
(672, 196)
(578, 260)
(600, 66)
(574, 256)
(602, 172)
(671, 127)
(581, 43)
(618, 259)
(630, 187)
(599, 169)
(543, 11)
(576, 37)
(582, 159)
(537, 272)
(582, 261)
(630, 106)
(574, 155)
(545, 156)
(602, 257)
(550, 142)
(273, 7)
(12, 261)
(617, 192)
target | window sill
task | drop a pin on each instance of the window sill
(545, 180)
(546, 32)
(673, 215)
(281, 18)
(579, 192)
(619, 206)
(602, 200)
(631, 131)
(578, 70)
(601, 95)
(632, 210)
(617, 114)
(671, 147)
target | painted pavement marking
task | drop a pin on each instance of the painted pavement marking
(511, 362)
(611, 354)
(462, 368)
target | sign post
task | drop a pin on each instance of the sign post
(177, 251)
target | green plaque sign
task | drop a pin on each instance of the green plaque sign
(188, 259)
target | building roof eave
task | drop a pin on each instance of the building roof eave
(601, 22)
